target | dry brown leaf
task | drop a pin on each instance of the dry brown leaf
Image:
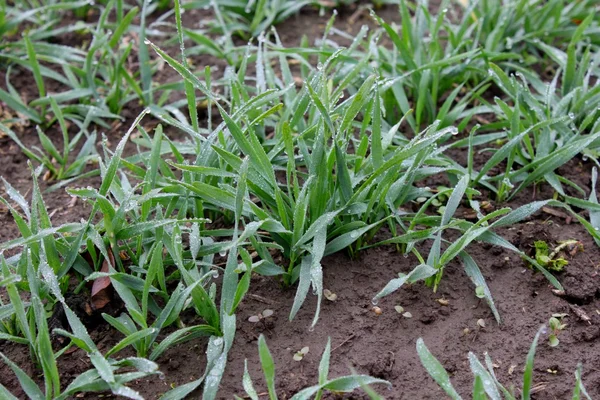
(101, 289)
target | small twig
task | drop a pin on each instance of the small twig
(557, 213)
(359, 273)
(357, 14)
(262, 299)
(580, 313)
(344, 342)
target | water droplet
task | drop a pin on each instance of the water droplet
(223, 253)
(215, 274)
(506, 182)
(509, 43)
(375, 301)
(571, 115)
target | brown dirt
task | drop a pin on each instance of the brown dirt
(384, 345)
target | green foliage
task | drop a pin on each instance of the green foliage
(318, 151)
(248, 19)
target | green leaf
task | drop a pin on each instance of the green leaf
(436, 370)
(528, 374)
(268, 366)
(30, 388)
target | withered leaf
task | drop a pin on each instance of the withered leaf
(102, 288)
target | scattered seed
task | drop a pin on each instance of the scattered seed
(399, 309)
(329, 295)
(407, 315)
(511, 369)
(377, 310)
(481, 323)
(443, 302)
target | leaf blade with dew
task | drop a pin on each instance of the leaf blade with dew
(45, 352)
(358, 101)
(189, 87)
(346, 239)
(579, 389)
(324, 367)
(487, 381)
(451, 207)
(320, 223)
(268, 366)
(129, 340)
(316, 270)
(436, 370)
(184, 72)
(247, 383)
(555, 160)
(180, 336)
(303, 285)
(352, 382)
(420, 272)
(30, 388)
(472, 270)
(16, 302)
(505, 150)
(594, 214)
(256, 153)
(6, 394)
(528, 373)
(478, 389)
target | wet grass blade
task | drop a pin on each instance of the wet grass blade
(268, 366)
(436, 370)
(528, 374)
